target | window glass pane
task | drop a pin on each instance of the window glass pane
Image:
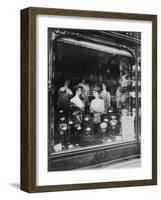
(94, 90)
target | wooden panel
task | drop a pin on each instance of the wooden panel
(93, 156)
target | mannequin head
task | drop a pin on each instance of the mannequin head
(103, 86)
(96, 92)
(66, 83)
(78, 90)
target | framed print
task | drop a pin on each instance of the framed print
(88, 99)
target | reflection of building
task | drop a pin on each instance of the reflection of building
(99, 57)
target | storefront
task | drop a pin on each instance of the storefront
(94, 98)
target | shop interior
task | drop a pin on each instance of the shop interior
(95, 65)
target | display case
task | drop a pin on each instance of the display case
(94, 98)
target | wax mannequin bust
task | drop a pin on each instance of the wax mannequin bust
(76, 100)
(64, 95)
(97, 106)
(105, 95)
(77, 105)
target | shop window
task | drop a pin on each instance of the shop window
(94, 91)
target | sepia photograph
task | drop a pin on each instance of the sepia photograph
(94, 99)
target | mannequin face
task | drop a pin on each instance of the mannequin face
(95, 94)
(103, 86)
(67, 82)
(79, 91)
